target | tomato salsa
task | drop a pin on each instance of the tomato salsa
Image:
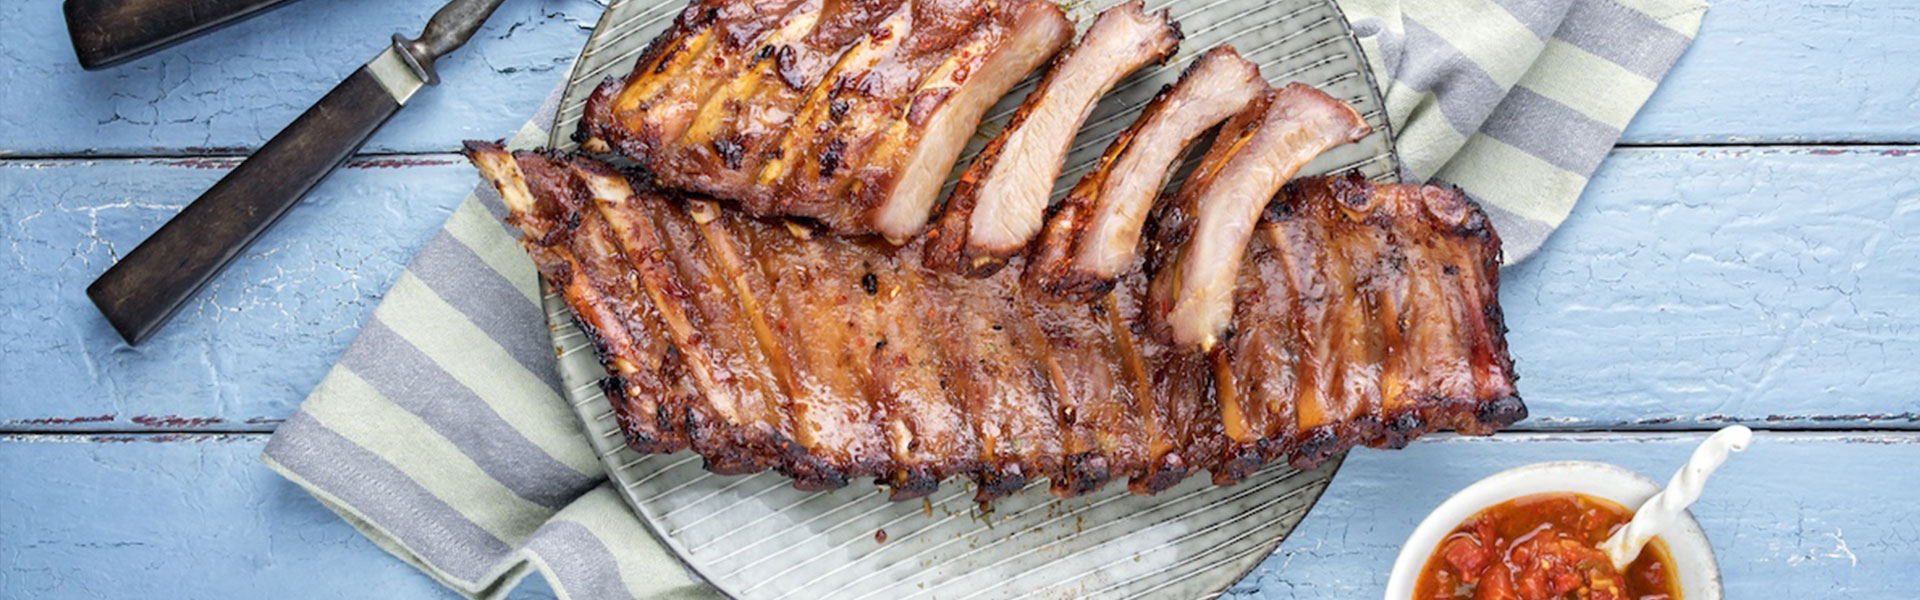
(1544, 546)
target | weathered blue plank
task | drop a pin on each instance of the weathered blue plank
(240, 85)
(248, 347)
(184, 516)
(1795, 516)
(1762, 70)
(1689, 288)
(1697, 287)
(1797, 71)
(86, 517)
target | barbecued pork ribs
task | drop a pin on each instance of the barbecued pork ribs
(763, 289)
(1364, 314)
(847, 112)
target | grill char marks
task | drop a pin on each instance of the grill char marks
(711, 43)
(1094, 236)
(658, 384)
(725, 411)
(1001, 200)
(845, 119)
(1211, 218)
(750, 428)
(1365, 315)
(724, 148)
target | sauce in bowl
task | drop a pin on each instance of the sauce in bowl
(1543, 546)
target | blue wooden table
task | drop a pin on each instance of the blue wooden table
(1750, 254)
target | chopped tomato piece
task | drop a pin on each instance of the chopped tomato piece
(1466, 555)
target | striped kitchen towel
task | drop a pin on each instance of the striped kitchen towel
(1517, 101)
(441, 434)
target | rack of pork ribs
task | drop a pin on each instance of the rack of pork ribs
(771, 285)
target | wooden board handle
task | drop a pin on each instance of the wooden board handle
(110, 32)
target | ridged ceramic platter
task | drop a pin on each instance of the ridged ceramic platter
(757, 537)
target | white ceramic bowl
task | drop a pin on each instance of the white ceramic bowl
(1691, 553)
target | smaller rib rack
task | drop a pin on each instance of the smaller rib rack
(845, 112)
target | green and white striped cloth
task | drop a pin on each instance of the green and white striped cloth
(441, 435)
(1517, 101)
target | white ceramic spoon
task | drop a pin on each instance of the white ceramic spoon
(1664, 508)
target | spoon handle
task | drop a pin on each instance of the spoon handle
(1660, 511)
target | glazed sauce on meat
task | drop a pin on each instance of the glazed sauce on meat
(1544, 546)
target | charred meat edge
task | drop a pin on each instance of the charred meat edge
(644, 379)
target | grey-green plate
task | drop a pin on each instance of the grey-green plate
(756, 537)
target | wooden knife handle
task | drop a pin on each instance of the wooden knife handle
(110, 32)
(142, 290)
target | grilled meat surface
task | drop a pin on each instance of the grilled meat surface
(1001, 199)
(847, 112)
(1368, 314)
(1094, 236)
(1211, 219)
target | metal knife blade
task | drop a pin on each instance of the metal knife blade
(144, 289)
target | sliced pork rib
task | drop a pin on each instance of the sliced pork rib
(903, 180)
(1001, 200)
(1210, 220)
(834, 110)
(1368, 315)
(1094, 235)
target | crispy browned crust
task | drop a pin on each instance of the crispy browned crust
(1412, 288)
(780, 105)
(765, 345)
